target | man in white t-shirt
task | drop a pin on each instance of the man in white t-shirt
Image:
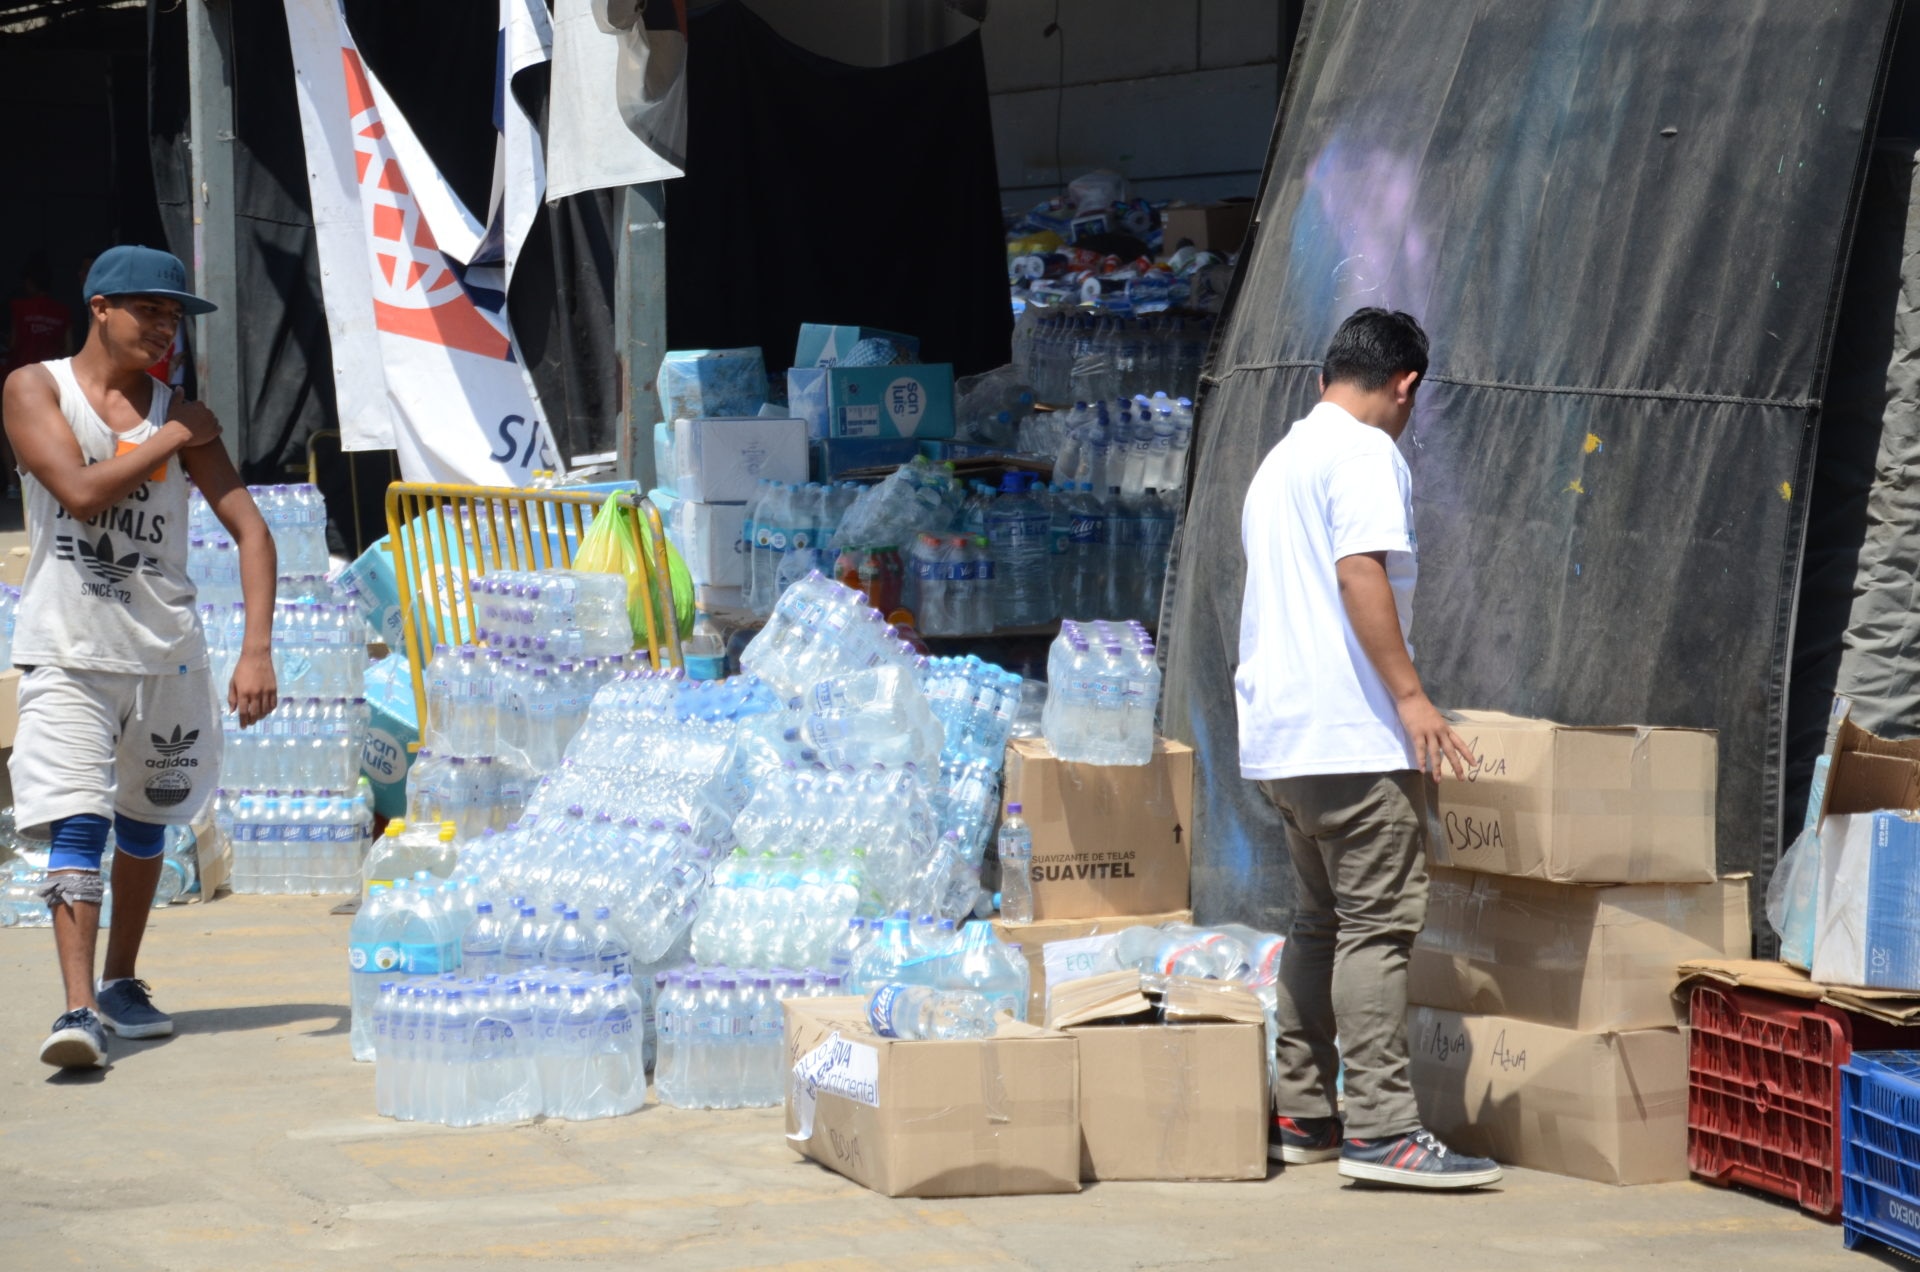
(1336, 728)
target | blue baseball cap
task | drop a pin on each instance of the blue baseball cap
(144, 271)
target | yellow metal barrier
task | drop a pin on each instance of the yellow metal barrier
(445, 537)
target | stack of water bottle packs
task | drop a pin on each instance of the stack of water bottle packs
(1103, 692)
(292, 803)
(297, 518)
(9, 610)
(786, 535)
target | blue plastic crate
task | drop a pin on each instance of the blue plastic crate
(1880, 1149)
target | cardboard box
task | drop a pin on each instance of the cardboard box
(836, 455)
(1211, 227)
(9, 706)
(393, 734)
(824, 345)
(725, 460)
(1586, 958)
(373, 585)
(1062, 950)
(1894, 1007)
(1107, 840)
(989, 1117)
(902, 401)
(709, 538)
(1173, 1078)
(1581, 805)
(13, 566)
(1866, 772)
(1610, 1107)
(1869, 928)
(712, 382)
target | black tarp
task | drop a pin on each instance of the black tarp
(1625, 225)
(821, 192)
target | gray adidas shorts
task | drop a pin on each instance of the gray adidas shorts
(107, 742)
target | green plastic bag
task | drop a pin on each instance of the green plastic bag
(612, 546)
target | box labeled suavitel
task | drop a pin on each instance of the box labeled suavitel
(1107, 839)
(1062, 950)
(977, 1118)
(1587, 958)
(1610, 1107)
(1571, 804)
(1173, 1077)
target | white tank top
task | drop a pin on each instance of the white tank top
(111, 594)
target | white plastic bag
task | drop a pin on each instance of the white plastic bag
(1793, 899)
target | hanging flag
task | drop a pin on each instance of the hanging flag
(589, 146)
(519, 166)
(650, 77)
(424, 359)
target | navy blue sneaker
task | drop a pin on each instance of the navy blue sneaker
(1302, 1141)
(77, 1041)
(126, 1007)
(1416, 1160)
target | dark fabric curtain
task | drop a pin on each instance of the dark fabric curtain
(820, 192)
(1625, 226)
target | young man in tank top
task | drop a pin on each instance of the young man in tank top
(119, 726)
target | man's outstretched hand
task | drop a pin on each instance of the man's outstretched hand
(1434, 740)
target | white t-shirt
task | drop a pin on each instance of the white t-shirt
(1310, 701)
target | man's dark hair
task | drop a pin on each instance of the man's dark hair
(1374, 345)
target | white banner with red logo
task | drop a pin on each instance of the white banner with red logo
(423, 358)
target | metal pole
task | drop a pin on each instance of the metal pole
(216, 336)
(640, 322)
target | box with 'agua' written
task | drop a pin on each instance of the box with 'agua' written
(1628, 804)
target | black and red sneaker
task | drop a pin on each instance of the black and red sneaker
(1415, 1160)
(1302, 1141)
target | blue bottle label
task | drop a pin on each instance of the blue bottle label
(374, 957)
(880, 1010)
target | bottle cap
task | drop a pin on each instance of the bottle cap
(1013, 809)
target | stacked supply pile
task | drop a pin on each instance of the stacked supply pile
(1100, 843)
(292, 805)
(1575, 873)
(502, 714)
(718, 446)
(786, 533)
(297, 518)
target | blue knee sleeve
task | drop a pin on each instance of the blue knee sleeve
(78, 842)
(137, 838)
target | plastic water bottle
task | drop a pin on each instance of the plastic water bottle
(916, 1011)
(373, 957)
(483, 945)
(1018, 529)
(1016, 867)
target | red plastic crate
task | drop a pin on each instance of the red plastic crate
(1763, 1090)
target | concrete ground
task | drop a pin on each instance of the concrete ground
(249, 1141)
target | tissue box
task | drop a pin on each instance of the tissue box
(1869, 931)
(724, 460)
(697, 382)
(906, 401)
(709, 539)
(823, 345)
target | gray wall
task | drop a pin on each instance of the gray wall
(1179, 95)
